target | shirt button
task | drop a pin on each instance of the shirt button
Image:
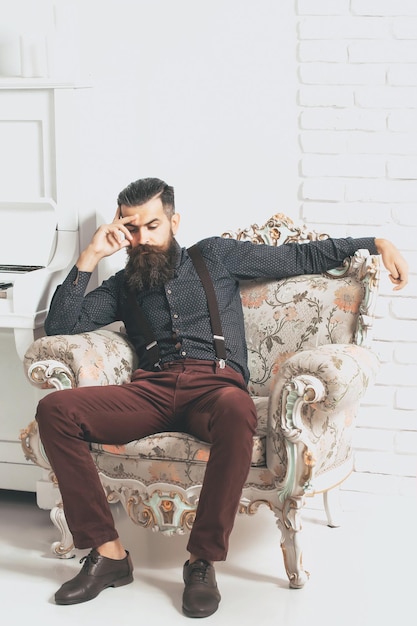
(183, 353)
(169, 291)
(176, 315)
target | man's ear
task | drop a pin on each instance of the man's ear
(175, 222)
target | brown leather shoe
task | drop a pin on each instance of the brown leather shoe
(201, 597)
(97, 573)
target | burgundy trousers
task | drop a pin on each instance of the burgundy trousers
(202, 399)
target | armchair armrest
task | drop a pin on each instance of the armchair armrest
(101, 357)
(313, 405)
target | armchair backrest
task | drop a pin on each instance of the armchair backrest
(298, 313)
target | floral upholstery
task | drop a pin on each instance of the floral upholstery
(310, 363)
(292, 315)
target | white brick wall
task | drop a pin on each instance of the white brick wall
(357, 101)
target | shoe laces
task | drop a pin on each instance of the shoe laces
(91, 557)
(199, 571)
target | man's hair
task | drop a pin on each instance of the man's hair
(144, 189)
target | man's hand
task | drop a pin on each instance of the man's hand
(108, 239)
(394, 262)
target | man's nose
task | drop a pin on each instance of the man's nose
(143, 237)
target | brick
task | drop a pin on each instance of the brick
(404, 28)
(381, 311)
(405, 120)
(405, 399)
(406, 215)
(394, 51)
(336, 226)
(383, 142)
(362, 229)
(327, 141)
(386, 290)
(394, 330)
(328, 119)
(322, 7)
(385, 463)
(325, 190)
(399, 75)
(373, 417)
(406, 353)
(381, 191)
(384, 417)
(376, 485)
(402, 167)
(342, 74)
(408, 488)
(343, 166)
(385, 351)
(325, 96)
(346, 213)
(383, 7)
(374, 439)
(333, 230)
(406, 240)
(406, 443)
(403, 308)
(336, 27)
(330, 51)
(386, 97)
(396, 374)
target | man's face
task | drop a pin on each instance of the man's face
(151, 225)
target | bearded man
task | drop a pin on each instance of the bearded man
(162, 303)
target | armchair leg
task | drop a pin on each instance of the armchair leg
(333, 508)
(289, 523)
(64, 549)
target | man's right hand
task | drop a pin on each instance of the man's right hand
(108, 239)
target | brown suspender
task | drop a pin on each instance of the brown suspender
(216, 327)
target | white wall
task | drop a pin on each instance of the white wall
(189, 92)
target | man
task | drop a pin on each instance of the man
(187, 385)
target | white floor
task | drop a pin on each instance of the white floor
(362, 574)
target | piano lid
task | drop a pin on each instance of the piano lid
(28, 233)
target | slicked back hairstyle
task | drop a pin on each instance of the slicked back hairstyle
(144, 189)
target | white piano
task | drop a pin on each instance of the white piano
(39, 228)
(39, 244)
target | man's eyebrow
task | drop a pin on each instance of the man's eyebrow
(152, 221)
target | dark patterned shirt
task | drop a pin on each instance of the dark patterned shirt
(178, 312)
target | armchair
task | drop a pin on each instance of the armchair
(310, 363)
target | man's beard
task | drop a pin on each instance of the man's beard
(150, 266)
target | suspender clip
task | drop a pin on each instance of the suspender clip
(222, 364)
(157, 364)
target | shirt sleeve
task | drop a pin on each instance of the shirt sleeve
(72, 311)
(246, 260)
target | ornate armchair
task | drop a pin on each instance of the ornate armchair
(310, 362)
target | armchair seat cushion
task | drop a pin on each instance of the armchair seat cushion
(181, 447)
